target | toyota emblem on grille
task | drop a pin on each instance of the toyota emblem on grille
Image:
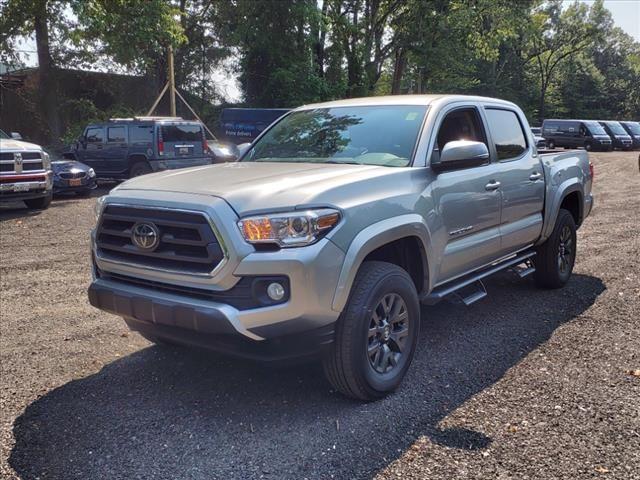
(145, 236)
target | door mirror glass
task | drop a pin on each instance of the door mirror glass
(461, 154)
(16, 136)
(243, 148)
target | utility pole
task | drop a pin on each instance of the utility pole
(172, 83)
(171, 87)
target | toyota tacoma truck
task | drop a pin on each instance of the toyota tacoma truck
(338, 221)
(25, 173)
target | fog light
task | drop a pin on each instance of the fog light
(275, 291)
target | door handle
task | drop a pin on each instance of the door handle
(535, 176)
(493, 185)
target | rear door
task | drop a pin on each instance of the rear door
(116, 149)
(182, 140)
(521, 178)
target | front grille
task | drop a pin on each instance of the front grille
(187, 242)
(6, 167)
(31, 166)
(70, 175)
(25, 155)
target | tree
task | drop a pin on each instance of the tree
(46, 20)
(555, 36)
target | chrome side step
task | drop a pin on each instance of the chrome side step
(473, 281)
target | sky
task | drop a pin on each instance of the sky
(625, 13)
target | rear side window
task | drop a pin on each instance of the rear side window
(181, 133)
(95, 135)
(141, 134)
(507, 133)
(116, 134)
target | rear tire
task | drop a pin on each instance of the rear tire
(39, 203)
(556, 256)
(139, 168)
(376, 334)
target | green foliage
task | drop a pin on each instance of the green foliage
(83, 111)
(551, 58)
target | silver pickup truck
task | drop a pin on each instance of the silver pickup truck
(336, 223)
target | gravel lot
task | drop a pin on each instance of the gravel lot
(525, 384)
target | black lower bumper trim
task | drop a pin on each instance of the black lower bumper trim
(203, 327)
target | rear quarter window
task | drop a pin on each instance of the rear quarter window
(181, 133)
(141, 134)
(507, 133)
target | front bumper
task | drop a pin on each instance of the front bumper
(19, 187)
(156, 305)
(61, 185)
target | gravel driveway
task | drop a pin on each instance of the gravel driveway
(524, 384)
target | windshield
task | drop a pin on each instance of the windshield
(633, 127)
(374, 135)
(616, 128)
(595, 128)
(3, 135)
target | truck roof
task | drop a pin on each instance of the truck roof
(403, 100)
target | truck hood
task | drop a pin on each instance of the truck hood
(17, 145)
(260, 186)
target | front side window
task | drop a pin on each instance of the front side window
(506, 132)
(368, 135)
(116, 134)
(95, 135)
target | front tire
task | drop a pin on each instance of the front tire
(376, 335)
(551, 144)
(588, 146)
(556, 256)
(41, 203)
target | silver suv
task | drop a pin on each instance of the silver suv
(337, 222)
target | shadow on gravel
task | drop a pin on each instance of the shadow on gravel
(169, 413)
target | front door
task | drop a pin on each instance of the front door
(92, 149)
(467, 200)
(521, 180)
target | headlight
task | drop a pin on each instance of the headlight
(46, 161)
(294, 229)
(99, 205)
(91, 172)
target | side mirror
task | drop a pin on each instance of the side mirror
(243, 148)
(461, 154)
(16, 136)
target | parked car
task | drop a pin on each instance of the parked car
(619, 136)
(588, 134)
(25, 173)
(333, 227)
(129, 147)
(633, 129)
(70, 176)
(240, 125)
(539, 139)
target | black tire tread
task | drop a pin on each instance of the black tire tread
(546, 275)
(337, 367)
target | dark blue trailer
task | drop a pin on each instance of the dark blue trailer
(241, 125)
